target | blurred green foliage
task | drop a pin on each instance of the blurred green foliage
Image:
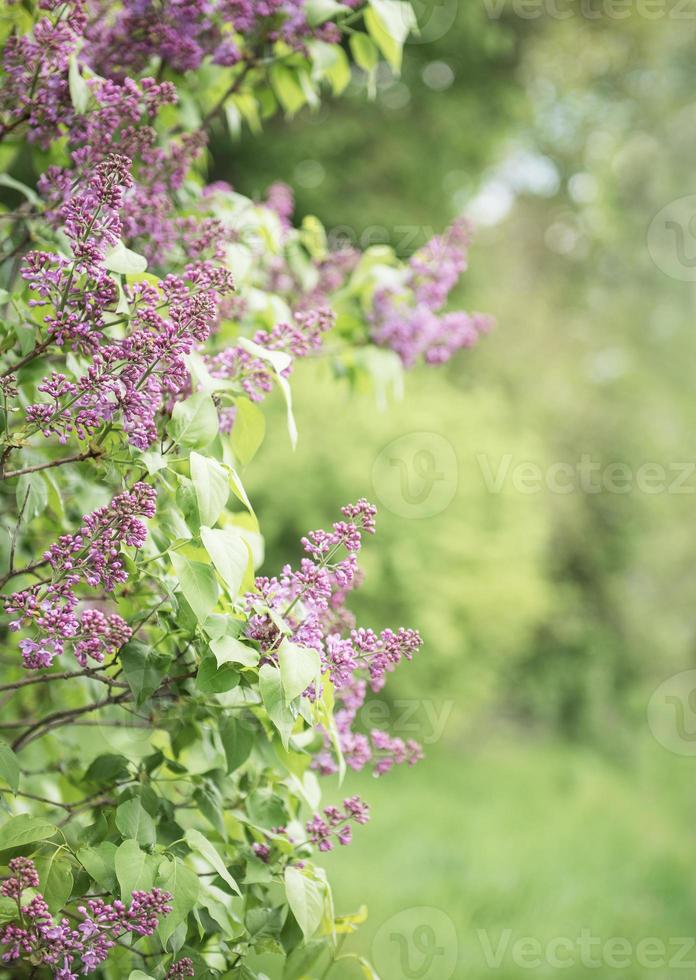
(555, 613)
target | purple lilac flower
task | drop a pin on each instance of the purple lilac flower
(334, 824)
(91, 557)
(409, 318)
(61, 946)
(311, 602)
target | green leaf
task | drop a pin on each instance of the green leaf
(306, 899)
(17, 185)
(211, 680)
(299, 666)
(389, 23)
(143, 670)
(211, 483)
(134, 869)
(197, 583)
(364, 51)
(319, 11)
(271, 688)
(183, 885)
(78, 87)
(201, 845)
(99, 862)
(230, 650)
(302, 959)
(55, 877)
(230, 555)
(248, 430)
(287, 87)
(139, 975)
(9, 766)
(194, 422)
(32, 495)
(24, 829)
(237, 741)
(107, 768)
(124, 261)
(133, 820)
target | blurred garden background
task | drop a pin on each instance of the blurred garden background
(551, 609)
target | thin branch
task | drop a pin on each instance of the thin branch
(77, 458)
(64, 676)
(60, 718)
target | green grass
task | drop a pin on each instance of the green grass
(544, 840)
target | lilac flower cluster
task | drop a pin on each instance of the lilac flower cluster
(35, 89)
(132, 377)
(183, 34)
(91, 557)
(409, 318)
(36, 937)
(311, 601)
(182, 968)
(335, 824)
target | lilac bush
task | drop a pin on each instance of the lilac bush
(146, 315)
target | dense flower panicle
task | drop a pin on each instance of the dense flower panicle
(91, 557)
(408, 318)
(35, 90)
(63, 947)
(185, 33)
(310, 600)
(182, 968)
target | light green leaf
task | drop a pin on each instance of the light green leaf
(133, 820)
(389, 23)
(278, 359)
(287, 88)
(55, 877)
(211, 483)
(79, 89)
(139, 975)
(194, 421)
(229, 554)
(299, 667)
(239, 491)
(306, 899)
(197, 583)
(183, 885)
(230, 650)
(201, 845)
(273, 697)
(9, 766)
(24, 829)
(134, 869)
(124, 261)
(319, 11)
